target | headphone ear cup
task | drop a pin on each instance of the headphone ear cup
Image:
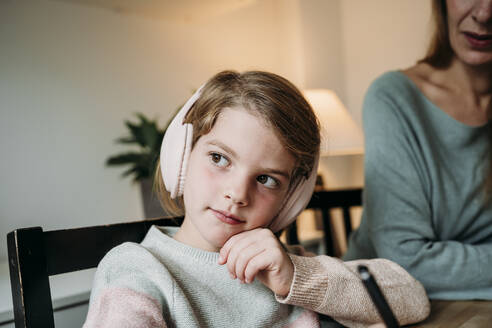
(296, 201)
(185, 159)
(175, 151)
(176, 148)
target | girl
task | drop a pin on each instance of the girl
(242, 155)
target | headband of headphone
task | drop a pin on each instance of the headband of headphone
(175, 153)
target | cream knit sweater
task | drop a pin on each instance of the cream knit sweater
(164, 283)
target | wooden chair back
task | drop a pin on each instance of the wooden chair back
(325, 201)
(34, 255)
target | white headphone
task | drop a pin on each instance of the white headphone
(175, 153)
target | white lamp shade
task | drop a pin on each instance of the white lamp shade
(340, 135)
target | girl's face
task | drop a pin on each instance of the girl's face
(470, 30)
(237, 179)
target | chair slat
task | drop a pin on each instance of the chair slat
(64, 254)
(31, 294)
(327, 232)
(336, 198)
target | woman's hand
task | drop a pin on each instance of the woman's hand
(258, 253)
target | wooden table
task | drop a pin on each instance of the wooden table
(462, 314)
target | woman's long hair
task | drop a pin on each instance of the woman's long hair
(439, 52)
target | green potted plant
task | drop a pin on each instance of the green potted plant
(147, 136)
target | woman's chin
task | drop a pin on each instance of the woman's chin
(477, 59)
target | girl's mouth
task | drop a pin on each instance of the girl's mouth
(479, 41)
(226, 217)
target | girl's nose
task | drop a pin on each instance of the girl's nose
(238, 192)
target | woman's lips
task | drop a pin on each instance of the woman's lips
(479, 41)
(227, 217)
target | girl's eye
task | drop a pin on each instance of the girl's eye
(267, 181)
(219, 160)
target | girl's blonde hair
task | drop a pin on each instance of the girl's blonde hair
(273, 98)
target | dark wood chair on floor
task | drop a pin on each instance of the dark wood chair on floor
(34, 255)
(325, 201)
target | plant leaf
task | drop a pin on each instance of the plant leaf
(136, 133)
(126, 158)
(147, 134)
(126, 140)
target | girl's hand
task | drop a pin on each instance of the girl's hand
(258, 253)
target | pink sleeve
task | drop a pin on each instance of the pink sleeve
(307, 319)
(121, 307)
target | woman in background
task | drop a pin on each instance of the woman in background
(427, 202)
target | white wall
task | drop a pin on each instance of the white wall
(321, 44)
(380, 35)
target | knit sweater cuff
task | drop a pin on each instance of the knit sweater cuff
(308, 288)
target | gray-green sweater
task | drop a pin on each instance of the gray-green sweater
(424, 204)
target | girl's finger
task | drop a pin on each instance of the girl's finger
(245, 256)
(231, 242)
(255, 265)
(226, 248)
(259, 243)
(235, 252)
